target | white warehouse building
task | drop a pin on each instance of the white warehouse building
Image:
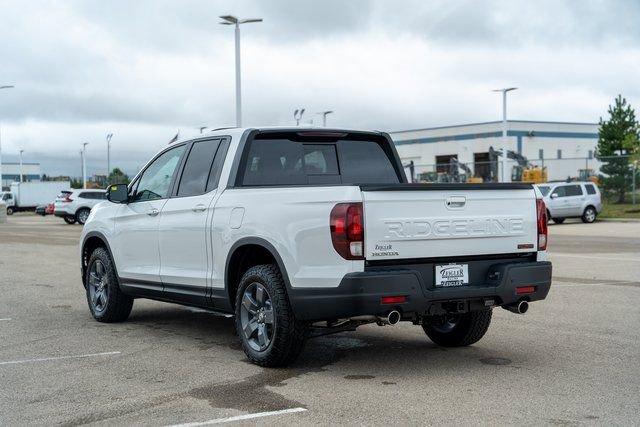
(565, 149)
(11, 173)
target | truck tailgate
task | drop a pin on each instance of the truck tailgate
(439, 220)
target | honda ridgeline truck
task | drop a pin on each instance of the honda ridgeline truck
(305, 232)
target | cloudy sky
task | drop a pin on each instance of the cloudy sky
(144, 69)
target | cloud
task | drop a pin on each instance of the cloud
(144, 69)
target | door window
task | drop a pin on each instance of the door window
(560, 191)
(573, 190)
(156, 179)
(197, 168)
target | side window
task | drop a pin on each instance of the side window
(84, 195)
(560, 191)
(590, 189)
(155, 180)
(573, 190)
(197, 168)
(274, 162)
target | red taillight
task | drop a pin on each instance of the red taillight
(541, 209)
(523, 290)
(347, 230)
(400, 299)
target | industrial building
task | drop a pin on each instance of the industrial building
(11, 173)
(435, 154)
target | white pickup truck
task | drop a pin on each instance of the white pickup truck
(305, 232)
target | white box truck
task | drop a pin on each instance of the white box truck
(27, 195)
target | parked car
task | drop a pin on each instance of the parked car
(306, 232)
(572, 200)
(45, 210)
(75, 205)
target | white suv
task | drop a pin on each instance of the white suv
(572, 200)
(75, 205)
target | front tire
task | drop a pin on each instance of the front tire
(271, 335)
(106, 301)
(9, 211)
(457, 330)
(589, 215)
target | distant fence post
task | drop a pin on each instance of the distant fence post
(633, 185)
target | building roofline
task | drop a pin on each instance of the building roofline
(493, 122)
(18, 164)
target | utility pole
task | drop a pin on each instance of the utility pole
(84, 164)
(232, 20)
(109, 136)
(2, 87)
(504, 128)
(21, 151)
(324, 117)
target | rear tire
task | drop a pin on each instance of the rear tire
(558, 220)
(69, 220)
(82, 215)
(106, 301)
(457, 330)
(589, 215)
(270, 334)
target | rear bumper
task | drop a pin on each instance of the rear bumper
(360, 293)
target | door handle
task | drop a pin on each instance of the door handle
(199, 208)
(153, 212)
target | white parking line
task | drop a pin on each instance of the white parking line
(5, 319)
(242, 417)
(49, 359)
(593, 257)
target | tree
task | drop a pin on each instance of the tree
(117, 177)
(618, 140)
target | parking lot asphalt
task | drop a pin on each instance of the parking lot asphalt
(572, 359)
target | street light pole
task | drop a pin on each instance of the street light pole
(232, 20)
(109, 136)
(84, 164)
(504, 128)
(324, 117)
(21, 151)
(2, 87)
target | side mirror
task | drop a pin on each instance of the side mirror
(118, 193)
(554, 195)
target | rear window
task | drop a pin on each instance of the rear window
(281, 161)
(590, 189)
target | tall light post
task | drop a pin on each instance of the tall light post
(504, 127)
(84, 164)
(2, 87)
(109, 136)
(21, 151)
(324, 116)
(232, 20)
(297, 115)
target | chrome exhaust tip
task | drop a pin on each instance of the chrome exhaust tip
(393, 318)
(520, 307)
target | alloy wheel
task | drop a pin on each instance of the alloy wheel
(98, 287)
(257, 317)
